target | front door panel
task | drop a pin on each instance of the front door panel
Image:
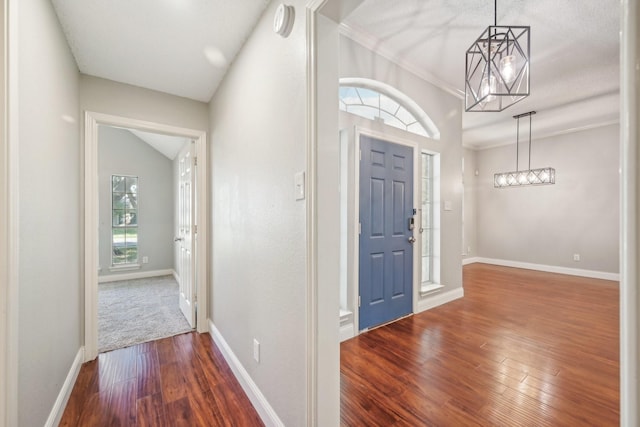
(386, 252)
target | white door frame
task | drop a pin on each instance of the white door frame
(358, 132)
(9, 217)
(92, 121)
(629, 214)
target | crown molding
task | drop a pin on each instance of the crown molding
(545, 135)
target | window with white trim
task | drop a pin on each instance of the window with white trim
(124, 220)
(378, 101)
(430, 219)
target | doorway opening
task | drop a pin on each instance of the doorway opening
(144, 190)
(115, 247)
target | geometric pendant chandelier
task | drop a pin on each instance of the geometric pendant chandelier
(530, 176)
(497, 68)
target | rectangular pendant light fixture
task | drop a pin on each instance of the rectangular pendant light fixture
(530, 176)
(497, 68)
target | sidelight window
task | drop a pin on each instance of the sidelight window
(430, 220)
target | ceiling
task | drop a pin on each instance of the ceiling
(181, 47)
(184, 47)
(167, 145)
(574, 56)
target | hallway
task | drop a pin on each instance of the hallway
(177, 381)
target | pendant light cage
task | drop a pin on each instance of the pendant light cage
(497, 68)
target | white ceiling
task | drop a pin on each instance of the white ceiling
(184, 47)
(168, 145)
(574, 55)
(181, 47)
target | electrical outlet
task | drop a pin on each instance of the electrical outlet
(145, 259)
(576, 257)
(256, 350)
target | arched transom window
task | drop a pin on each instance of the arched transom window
(375, 100)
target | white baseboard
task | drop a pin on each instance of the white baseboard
(347, 331)
(63, 397)
(439, 299)
(551, 268)
(470, 260)
(267, 413)
(175, 276)
(132, 276)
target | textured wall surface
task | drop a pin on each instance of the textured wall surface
(258, 144)
(50, 212)
(549, 224)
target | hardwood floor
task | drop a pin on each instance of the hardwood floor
(522, 348)
(179, 381)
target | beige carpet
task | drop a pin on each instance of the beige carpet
(135, 311)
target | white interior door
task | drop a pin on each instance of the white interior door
(186, 233)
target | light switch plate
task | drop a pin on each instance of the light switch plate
(299, 185)
(447, 205)
(256, 350)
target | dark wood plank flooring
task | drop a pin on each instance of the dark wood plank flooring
(522, 348)
(178, 381)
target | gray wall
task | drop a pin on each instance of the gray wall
(445, 111)
(122, 153)
(548, 224)
(106, 96)
(259, 243)
(49, 270)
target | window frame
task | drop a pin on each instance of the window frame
(405, 104)
(125, 227)
(432, 228)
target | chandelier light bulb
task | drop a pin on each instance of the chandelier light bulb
(508, 68)
(487, 88)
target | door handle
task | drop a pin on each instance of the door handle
(178, 239)
(411, 239)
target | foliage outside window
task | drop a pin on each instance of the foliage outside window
(124, 220)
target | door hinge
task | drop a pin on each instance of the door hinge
(195, 229)
(359, 300)
(359, 228)
(195, 161)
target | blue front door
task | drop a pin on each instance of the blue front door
(386, 251)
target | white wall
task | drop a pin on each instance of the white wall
(445, 111)
(122, 153)
(548, 224)
(4, 227)
(49, 301)
(258, 144)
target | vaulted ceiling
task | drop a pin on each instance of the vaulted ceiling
(181, 47)
(184, 47)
